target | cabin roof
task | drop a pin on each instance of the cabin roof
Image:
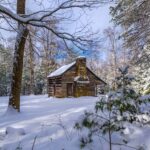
(61, 70)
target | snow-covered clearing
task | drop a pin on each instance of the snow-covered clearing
(47, 124)
(51, 120)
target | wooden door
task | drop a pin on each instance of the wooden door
(69, 89)
(54, 88)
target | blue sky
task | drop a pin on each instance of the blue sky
(101, 18)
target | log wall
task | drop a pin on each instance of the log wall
(58, 85)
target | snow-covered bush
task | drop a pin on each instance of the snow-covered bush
(113, 112)
(15, 131)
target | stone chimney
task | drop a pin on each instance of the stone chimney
(81, 72)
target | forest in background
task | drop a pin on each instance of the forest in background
(45, 54)
(126, 43)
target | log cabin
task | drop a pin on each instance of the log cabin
(74, 80)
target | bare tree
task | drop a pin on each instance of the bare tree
(112, 52)
(39, 19)
(49, 49)
(31, 61)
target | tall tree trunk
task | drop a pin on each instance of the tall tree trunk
(14, 99)
(31, 59)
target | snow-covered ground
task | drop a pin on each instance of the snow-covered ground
(48, 124)
(50, 120)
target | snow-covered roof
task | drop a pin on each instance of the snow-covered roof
(64, 68)
(61, 70)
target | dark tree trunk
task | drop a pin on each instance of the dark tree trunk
(31, 59)
(14, 99)
(21, 7)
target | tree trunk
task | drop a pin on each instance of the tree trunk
(109, 133)
(31, 62)
(14, 99)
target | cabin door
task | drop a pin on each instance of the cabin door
(69, 89)
(54, 92)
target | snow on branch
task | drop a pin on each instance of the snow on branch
(42, 17)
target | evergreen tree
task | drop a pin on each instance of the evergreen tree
(142, 72)
(133, 17)
(112, 112)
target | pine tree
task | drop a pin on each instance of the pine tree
(142, 72)
(112, 112)
(133, 17)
